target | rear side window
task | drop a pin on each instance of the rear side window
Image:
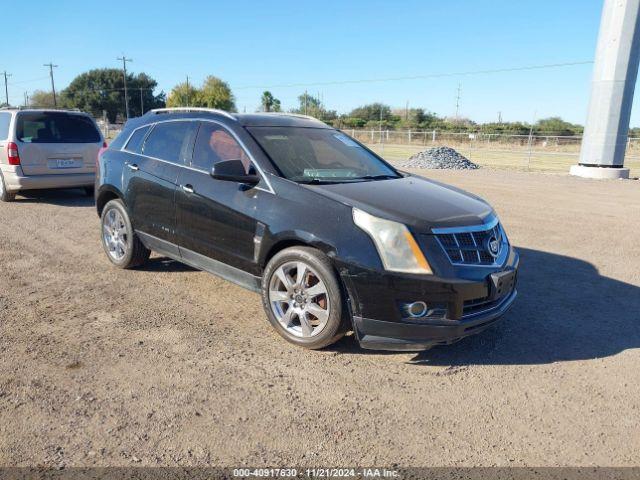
(214, 144)
(5, 120)
(170, 141)
(56, 127)
(134, 145)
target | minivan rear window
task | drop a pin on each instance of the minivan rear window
(56, 127)
(5, 120)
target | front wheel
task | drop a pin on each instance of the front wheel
(121, 244)
(302, 297)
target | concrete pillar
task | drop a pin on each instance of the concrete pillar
(614, 78)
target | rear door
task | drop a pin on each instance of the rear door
(55, 143)
(151, 174)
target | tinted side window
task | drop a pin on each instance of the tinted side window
(214, 144)
(168, 141)
(134, 145)
(5, 120)
(56, 127)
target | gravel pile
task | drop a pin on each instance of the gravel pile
(440, 157)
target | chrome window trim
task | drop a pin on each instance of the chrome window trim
(263, 175)
(488, 224)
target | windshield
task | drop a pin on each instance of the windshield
(56, 127)
(314, 155)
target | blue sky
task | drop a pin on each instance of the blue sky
(281, 42)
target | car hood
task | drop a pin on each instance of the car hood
(415, 201)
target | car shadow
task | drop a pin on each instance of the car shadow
(72, 197)
(165, 264)
(565, 311)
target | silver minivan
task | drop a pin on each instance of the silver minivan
(43, 148)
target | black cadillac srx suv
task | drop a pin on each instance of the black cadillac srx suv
(334, 238)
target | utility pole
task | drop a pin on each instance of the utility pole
(26, 99)
(499, 117)
(187, 90)
(406, 111)
(53, 86)
(6, 88)
(141, 102)
(458, 100)
(124, 77)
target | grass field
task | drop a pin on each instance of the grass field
(514, 159)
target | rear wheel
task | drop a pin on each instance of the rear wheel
(302, 297)
(122, 245)
(5, 195)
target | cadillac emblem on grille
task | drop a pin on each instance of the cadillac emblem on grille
(493, 246)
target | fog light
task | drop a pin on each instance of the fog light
(417, 309)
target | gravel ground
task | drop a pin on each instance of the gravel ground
(170, 366)
(439, 158)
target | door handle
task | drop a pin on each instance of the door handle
(133, 166)
(187, 188)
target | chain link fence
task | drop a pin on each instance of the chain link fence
(523, 152)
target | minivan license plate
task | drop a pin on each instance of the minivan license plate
(66, 163)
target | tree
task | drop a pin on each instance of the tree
(313, 107)
(102, 89)
(216, 94)
(372, 112)
(556, 126)
(183, 95)
(269, 102)
(41, 98)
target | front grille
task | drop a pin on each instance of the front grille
(472, 247)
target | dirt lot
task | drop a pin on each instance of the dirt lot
(166, 365)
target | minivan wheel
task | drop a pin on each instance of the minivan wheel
(5, 195)
(302, 297)
(122, 245)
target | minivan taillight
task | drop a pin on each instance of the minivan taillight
(12, 153)
(100, 152)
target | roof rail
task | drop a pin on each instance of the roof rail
(156, 111)
(299, 115)
(37, 107)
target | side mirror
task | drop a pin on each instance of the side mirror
(233, 171)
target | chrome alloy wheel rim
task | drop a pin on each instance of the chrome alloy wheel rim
(114, 234)
(299, 300)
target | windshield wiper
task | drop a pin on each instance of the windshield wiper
(377, 177)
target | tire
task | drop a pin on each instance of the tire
(290, 306)
(122, 246)
(5, 196)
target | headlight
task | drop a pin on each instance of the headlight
(396, 246)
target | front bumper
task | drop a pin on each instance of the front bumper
(471, 304)
(404, 336)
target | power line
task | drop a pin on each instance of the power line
(124, 77)
(53, 86)
(29, 81)
(420, 77)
